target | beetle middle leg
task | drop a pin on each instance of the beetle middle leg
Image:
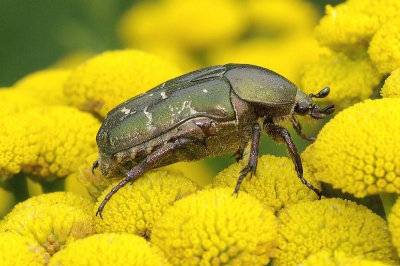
(253, 157)
(279, 134)
(147, 164)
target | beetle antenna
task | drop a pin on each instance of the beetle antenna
(322, 94)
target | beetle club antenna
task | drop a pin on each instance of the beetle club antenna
(322, 94)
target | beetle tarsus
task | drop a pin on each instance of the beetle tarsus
(253, 159)
(95, 165)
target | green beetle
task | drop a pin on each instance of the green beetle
(204, 113)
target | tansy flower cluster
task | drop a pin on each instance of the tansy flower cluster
(362, 46)
(50, 119)
(205, 32)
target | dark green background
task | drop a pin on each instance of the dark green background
(35, 33)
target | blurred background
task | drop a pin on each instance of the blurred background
(36, 34)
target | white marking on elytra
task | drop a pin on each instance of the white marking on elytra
(163, 95)
(188, 104)
(205, 91)
(125, 110)
(149, 122)
(151, 94)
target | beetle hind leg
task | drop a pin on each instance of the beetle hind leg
(150, 162)
(253, 157)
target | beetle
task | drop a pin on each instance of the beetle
(204, 113)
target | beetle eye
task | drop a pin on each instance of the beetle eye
(301, 108)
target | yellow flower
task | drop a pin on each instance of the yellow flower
(281, 17)
(270, 53)
(350, 80)
(17, 101)
(326, 258)
(384, 48)
(47, 142)
(357, 151)
(108, 79)
(334, 225)
(50, 220)
(394, 224)
(46, 85)
(190, 25)
(136, 207)
(95, 183)
(67, 198)
(391, 88)
(21, 250)
(353, 23)
(275, 182)
(110, 249)
(212, 227)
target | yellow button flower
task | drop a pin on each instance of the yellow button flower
(110, 249)
(351, 79)
(275, 182)
(326, 258)
(52, 223)
(68, 198)
(21, 250)
(334, 225)
(136, 207)
(384, 48)
(391, 88)
(353, 23)
(212, 227)
(46, 85)
(357, 151)
(108, 79)
(394, 224)
(190, 25)
(47, 142)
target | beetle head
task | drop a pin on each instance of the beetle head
(108, 166)
(306, 106)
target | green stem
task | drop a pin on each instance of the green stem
(53, 186)
(18, 186)
(388, 200)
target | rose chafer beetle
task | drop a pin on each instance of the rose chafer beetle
(204, 113)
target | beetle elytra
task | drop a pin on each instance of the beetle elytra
(204, 113)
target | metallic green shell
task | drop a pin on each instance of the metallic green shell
(202, 93)
(260, 85)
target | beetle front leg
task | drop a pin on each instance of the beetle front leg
(149, 163)
(253, 157)
(278, 134)
(297, 127)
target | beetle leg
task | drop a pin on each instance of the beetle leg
(149, 163)
(253, 159)
(278, 134)
(95, 165)
(297, 127)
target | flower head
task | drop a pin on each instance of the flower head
(353, 23)
(334, 258)
(357, 151)
(21, 250)
(384, 47)
(68, 198)
(394, 224)
(275, 182)
(108, 79)
(136, 207)
(334, 225)
(207, 23)
(46, 85)
(351, 79)
(50, 220)
(47, 142)
(212, 227)
(391, 88)
(110, 249)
